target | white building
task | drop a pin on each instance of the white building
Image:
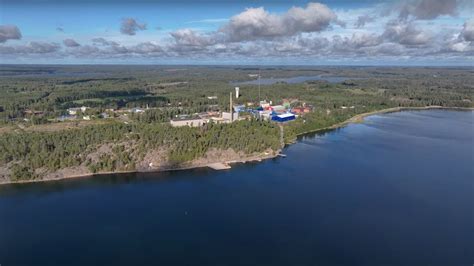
(237, 92)
(228, 116)
(73, 111)
(190, 122)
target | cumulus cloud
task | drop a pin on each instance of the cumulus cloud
(102, 41)
(257, 23)
(130, 26)
(9, 32)
(405, 33)
(364, 40)
(188, 37)
(468, 30)
(314, 44)
(300, 32)
(71, 43)
(147, 49)
(31, 48)
(428, 9)
(362, 20)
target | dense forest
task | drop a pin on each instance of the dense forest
(34, 142)
(51, 151)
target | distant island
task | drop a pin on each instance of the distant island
(57, 124)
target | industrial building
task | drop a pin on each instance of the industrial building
(283, 117)
(191, 122)
(230, 117)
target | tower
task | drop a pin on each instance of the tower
(230, 108)
(236, 92)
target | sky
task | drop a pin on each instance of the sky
(276, 32)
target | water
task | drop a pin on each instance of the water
(397, 189)
(299, 79)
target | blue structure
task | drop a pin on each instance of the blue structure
(283, 117)
(239, 108)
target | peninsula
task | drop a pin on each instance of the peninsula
(58, 126)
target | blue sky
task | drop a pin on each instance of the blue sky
(406, 32)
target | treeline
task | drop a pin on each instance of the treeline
(29, 153)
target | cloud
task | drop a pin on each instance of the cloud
(364, 40)
(130, 26)
(301, 33)
(468, 30)
(362, 20)
(71, 43)
(257, 23)
(147, 48)
(188, 37)
(405, 33)
(102, 41)
(31, 48)
(9, 32)
(428, 9)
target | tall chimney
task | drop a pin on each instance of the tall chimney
(230, 109)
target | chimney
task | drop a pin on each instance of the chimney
(230, 108)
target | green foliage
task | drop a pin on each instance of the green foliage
(60, 149)
(21, 172)
(171, 91)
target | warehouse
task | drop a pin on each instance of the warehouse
(283, 117)
(192, 122)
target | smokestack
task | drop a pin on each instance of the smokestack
(230, 108)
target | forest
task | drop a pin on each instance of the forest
(34, 142)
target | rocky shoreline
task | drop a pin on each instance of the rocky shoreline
(78, 172)
(215, 161)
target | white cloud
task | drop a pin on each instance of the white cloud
(257, 23)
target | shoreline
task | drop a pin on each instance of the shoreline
(252, 158)
(360, 117)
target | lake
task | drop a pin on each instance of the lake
(299, 79)
(396, 189)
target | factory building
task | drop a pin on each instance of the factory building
(278, 108)
(228, 116)
(283, 117)
(191, 122)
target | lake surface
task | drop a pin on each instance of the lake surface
(397, 189)
(299, 79)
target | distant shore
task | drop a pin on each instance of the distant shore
(251, 158)
(360, 117)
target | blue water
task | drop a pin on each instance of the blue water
(299, 79)
(397, 189)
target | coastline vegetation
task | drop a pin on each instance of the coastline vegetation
(34, 143)
(50, 151)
